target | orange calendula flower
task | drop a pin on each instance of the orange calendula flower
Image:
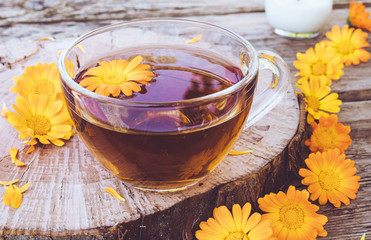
(39, 79)
(13, 195)
(236, 225)
(116, 76)
(114, 193)
(348, 44)
(41, 118)
(293, 216)
(329, 134)
(13, 155)
(358, 16)
(320, 61)
(319, 101)
(330, 177)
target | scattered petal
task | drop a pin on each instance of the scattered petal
(195, 39)
(114, 193)
(46, 39)
(24, 187)
(6, 183)
(233, 152)
(4, 111)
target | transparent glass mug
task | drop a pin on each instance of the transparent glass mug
(171, 145)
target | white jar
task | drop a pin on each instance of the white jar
(297, 18)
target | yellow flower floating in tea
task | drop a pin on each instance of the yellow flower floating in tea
(41, 79)
(42, 118)
(358, 16)
(319, 61)
(116, 76)
(348, 43)
(293, 216)
(236, 225)
(330, 177)
(329, 134)
(319, 101)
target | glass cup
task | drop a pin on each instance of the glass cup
(169, 145)
(299, 19)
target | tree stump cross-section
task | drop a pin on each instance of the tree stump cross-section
(67, 196)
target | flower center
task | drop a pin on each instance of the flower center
(328, 180)
(113, 78)
(236, 236)
(319, 69)
(345, 47)
(39, 124)
(292, 216)
(326, 138)
(44, 87)
(313, 103)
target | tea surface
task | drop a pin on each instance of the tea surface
(181, 74)
(178, 147)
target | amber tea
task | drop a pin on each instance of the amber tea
(153, 149)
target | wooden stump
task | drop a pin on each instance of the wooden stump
(67, 196)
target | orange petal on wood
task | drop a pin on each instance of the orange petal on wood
(18, 163)
(6, 183)
(114, 193)
(31, 149)
(24, 187)
(45, 39)
(240, 152)
(195, 39)
(13, 197)
(13, 152)
(4, 110)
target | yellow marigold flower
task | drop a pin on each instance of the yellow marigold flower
(330, 177)
(320, 61)
(39, 79)
(236, 225)
(348, 44)
(13, 195)
(358, 16)
(116, 76)
(41, 118)
(319, 101)
(329, 134)
(293, 216)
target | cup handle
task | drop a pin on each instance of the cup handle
(277, 89)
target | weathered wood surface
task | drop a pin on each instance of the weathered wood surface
(21, 25)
